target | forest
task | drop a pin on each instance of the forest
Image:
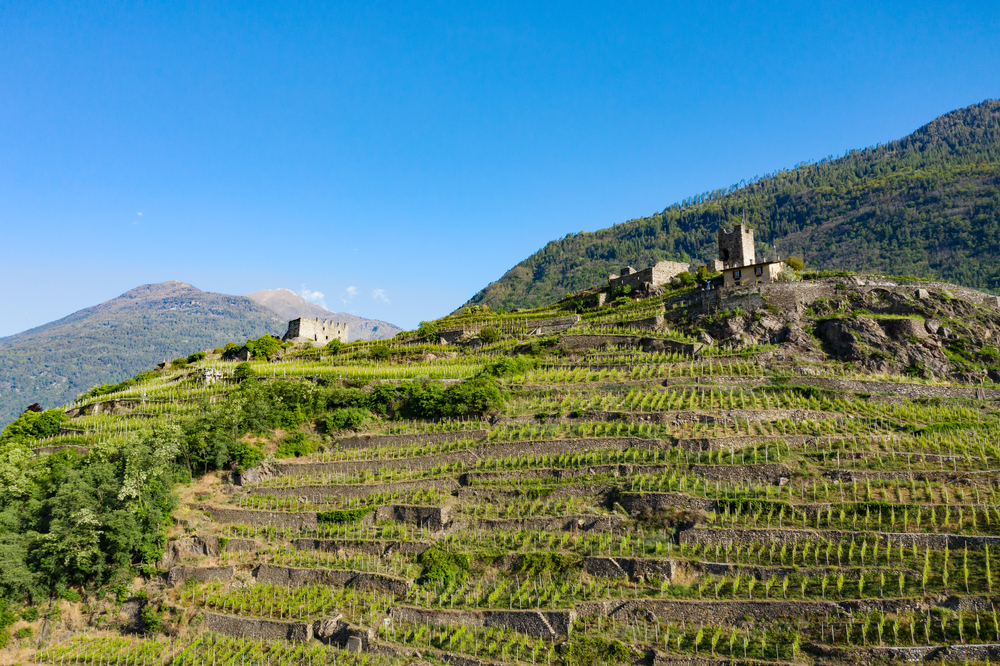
(927, 205)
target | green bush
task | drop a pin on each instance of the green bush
(346, 418)
(152, 622)
(379, 352)
(795, 263)
(35, 425)
(507, 365)
(450, 568)
(295, 445)
(243, 371)
(23, 632)
(195, 357)
(179, 363)
(489, 335)
(244, 455)
(30, 614)
(334, 346)
(265, 346)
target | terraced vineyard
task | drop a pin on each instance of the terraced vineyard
(631, 497)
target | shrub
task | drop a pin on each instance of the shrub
(427, 330)
(151, 621)
(243, 371)
(346, 418)
(794, 262)
(23, 632)
(334, 346)
(195, 357)
(264, 347)
(244, 455)
(489, 335)
(379, 352)
(30, 614)
(179, 363)
(4, 638)
(686, 278)
(450, 568)
(295, 445)
(507, 365)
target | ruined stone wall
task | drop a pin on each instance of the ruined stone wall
(320, 331)
(178, 575)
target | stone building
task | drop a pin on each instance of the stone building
(738, 260)
(319, 331)
(655, 276)
(761, 273)
(736, 248)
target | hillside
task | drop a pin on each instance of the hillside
(801, 473)
(106, 343)
(926, 205)
(288, 305)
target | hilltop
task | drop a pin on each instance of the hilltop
(106, 343)
(801, 472)
(288, 305)
(926, 205)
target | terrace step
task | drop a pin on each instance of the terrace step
(934, 541)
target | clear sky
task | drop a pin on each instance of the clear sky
(398, 157)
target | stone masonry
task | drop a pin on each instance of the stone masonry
(319, 331)
(657, 275)
(736, 247)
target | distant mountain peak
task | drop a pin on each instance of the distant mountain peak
(289, 305)
(159, 290)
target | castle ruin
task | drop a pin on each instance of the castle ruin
(655, 276)
(319, 331)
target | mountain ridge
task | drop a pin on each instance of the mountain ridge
(105, 343)
(927, 205)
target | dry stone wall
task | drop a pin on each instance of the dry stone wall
(319, 494)
(373, 441)
(258, 629)
(294, 520)
(374, 547)
(545, 624)
(725, 536)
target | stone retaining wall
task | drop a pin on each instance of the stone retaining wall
(770, 472)
(434, 518)
(370, 441)
(470, 456)
(291, 577)
(545, 624)
(789, 536)
(708, 612)
(258, 629)
(318, 494)
(737, 443)
(584, 523)
(178, 575)
(378, 548)
(294, 520)
(631, 568)
(638, 503)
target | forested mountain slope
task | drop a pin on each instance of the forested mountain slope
(926, 205)
(106, 343)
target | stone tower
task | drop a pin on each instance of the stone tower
(736, 247)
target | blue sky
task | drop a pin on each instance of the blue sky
(397, 157)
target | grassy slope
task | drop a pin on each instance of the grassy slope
(926, 205)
